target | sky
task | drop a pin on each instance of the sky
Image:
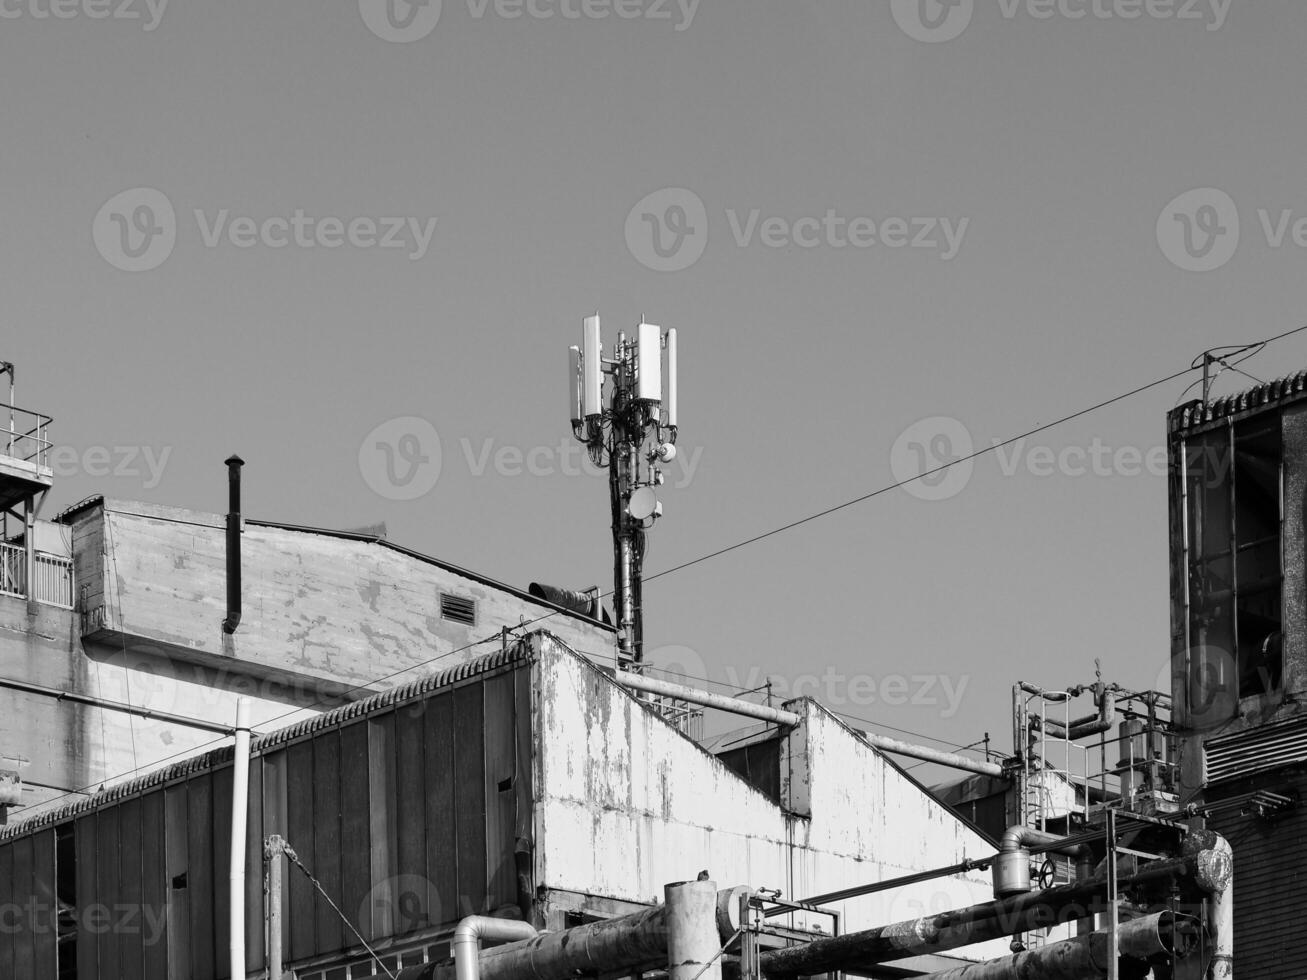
(886, 233)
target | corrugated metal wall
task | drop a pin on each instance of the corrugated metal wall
(1270, 882)
(408, 815)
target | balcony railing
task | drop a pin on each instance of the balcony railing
(53, 581)
(25, 435)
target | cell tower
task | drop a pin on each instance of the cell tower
(630, 433)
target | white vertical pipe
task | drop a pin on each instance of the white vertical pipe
(693, 942)
(1222, 922)
(671, 377)
(239, 811)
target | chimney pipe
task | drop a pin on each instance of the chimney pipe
(234, 464)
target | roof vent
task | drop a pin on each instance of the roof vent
(457, 608)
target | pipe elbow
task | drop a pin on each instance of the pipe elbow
(471, 930)
(1020, 837)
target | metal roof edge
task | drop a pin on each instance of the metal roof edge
(519, 652)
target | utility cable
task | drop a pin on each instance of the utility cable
(294, 859)
(1255, 348)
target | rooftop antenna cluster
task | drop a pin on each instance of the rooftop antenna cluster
(624, 412)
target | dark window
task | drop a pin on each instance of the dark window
(1234, 487)
(458, 608)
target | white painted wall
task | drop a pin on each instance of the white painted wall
(625, 804)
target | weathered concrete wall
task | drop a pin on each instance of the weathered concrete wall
(323, 617)
(335, 608)
(40, 737)
(625, 804)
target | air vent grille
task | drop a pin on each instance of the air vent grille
(1264, 748)
(458, 609)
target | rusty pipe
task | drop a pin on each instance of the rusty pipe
(1087, 957)
(979, 923)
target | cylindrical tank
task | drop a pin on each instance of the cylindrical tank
(1131, 742)
(1011, 871)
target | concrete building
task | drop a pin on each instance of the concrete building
(119, 662)
(1238, 478)
(527, 784)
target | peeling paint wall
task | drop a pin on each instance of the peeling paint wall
(323, 615)
(625, 804)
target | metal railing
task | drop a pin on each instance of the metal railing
(53, 580)
(24, 434)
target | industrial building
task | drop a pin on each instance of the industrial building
(530, 806)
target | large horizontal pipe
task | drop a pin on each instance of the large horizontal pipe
(779, 716)
(127, 709)
(912, 751)
(978, 923)
(1086, 957)
(652, 685)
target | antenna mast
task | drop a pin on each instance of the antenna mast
(631, 434)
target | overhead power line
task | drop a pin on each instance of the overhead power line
(1256, 347)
